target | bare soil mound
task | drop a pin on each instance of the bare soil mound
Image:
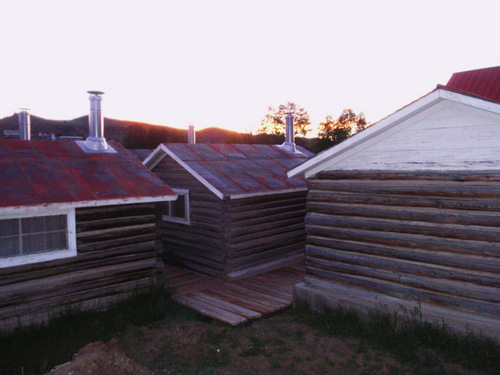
(100, 358)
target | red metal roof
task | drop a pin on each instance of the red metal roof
(45, 172)
(484, 83)
(239, 170)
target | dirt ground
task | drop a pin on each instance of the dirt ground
(275, 345)
(101, 358)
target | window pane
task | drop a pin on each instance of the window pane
(9, 246)
(33, 243)
(32, 225)
(56, 241)
(179, 207)
(57, 222)
(9, 227)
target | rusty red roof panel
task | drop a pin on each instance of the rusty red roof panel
(484, 83)
(45, 172)
(242, 169)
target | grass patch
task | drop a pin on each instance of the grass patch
(171, 339)
(37, 349)
(410, 339)
(256, 348)
(185, 359)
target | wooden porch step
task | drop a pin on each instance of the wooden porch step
(214, 312)
(235, 302)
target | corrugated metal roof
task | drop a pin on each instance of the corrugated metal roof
(484, 83)
(141, 153)
(240, 170)
(46, 172)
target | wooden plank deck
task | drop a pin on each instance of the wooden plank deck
(234, 302)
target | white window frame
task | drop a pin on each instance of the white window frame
(180, 220)
(52, 255)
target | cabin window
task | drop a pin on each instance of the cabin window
(177, 211)
(36, 237)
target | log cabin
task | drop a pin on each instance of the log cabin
(238, 213)
(405, 215)
(78, 225)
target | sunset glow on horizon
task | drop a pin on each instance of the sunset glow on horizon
(223, 63)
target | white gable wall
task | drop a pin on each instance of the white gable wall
(446, 136)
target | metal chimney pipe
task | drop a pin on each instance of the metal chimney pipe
(191, 134)
(24, 124)
(289, 144)
(96, 141)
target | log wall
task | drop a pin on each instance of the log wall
(406, 240)
(200, 245)
(232, 238)
(265, 232)
(118, 251)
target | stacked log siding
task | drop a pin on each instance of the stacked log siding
(405, 240)
(197, 245)
(118, 251)
(265, 230)
(230, 238)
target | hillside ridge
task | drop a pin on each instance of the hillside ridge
(132, 134)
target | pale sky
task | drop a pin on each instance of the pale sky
(223, 62)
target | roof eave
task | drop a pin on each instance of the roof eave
(154, 158)
(469, 99)
(264, 193)
(47, 207)
(162, 151)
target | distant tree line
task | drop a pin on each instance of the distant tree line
(333, 131)
(274, 120)
(330, 132)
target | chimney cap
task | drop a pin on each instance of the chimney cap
(191, 134)
(95, 92)
(24, 124)
(289, 144)
(96, 142)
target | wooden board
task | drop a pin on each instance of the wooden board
(214, 312)
(227, 306)
(234, 302)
